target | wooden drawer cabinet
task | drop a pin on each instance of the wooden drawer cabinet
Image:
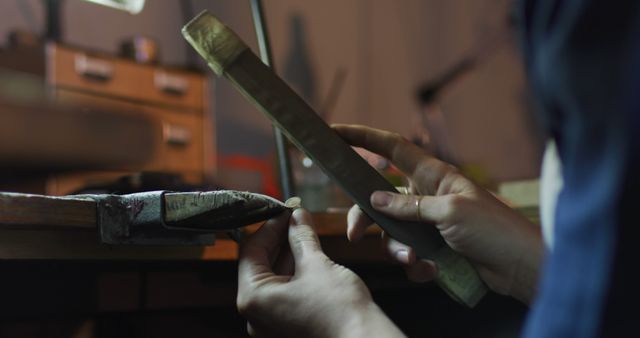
(180, 139)
(175, 100)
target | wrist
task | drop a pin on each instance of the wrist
(368, 321)
(524, 284)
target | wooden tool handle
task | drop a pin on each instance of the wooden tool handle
(228, 56)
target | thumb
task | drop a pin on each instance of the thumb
(303, 240)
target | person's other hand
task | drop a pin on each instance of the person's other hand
(504, 246)
(290, 288)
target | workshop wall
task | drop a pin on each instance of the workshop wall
(376, 54)
(372, 54)
(389, 48)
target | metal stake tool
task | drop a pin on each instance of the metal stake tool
(147, 218)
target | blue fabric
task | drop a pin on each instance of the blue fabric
(584, 67)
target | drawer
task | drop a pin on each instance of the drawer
(88, 100)
(123, 79)
(182, 141)
(180, 138)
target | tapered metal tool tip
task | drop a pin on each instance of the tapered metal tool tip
(294, 202)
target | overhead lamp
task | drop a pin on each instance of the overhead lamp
(53, 30)
(131, 6)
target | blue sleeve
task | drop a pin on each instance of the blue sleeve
(583, 63)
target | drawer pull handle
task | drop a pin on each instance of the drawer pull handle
(170, 84)
(176, 135)
(93, 68)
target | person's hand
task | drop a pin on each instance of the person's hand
(504, 246)
(290, 288)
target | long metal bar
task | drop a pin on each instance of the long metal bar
(282, 146)
(230, 57)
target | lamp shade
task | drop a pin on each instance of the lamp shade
(131, 6)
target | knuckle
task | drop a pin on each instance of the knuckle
(454, 171)
(453, 206)
(403, 141)
(441, 169)
(304, 238)
(400, 202)
(450, 168)
(422, 169)
(398, 141)
(397, 138)
(243, 303)
(247, 303)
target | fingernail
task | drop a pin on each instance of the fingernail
(354, 236)
(300, 216)
(381, 199)
(402, 256)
